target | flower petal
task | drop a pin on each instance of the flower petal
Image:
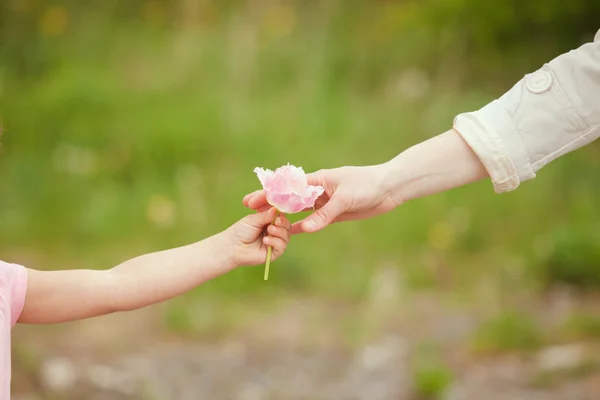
(264, 176)
(289, 203)
(287, 188)
(292, 178)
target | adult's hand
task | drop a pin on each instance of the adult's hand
(351, 193)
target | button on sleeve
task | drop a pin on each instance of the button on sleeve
(547, 114)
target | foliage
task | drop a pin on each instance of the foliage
(135, 126)
(508, 331)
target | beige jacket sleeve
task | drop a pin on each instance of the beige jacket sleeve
(547, 114)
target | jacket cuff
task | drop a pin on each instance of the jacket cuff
(492, 135)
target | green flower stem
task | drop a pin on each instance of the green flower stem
(269, 253)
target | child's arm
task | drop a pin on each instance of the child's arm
(59, 296)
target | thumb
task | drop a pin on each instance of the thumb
(324, 216)
(259, 220)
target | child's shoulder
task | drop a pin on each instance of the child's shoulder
(11, 273)
(8, 270)
(13, 285)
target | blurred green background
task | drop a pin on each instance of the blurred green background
(134, 126)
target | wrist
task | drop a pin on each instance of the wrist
(435, 165)
(394, 179)
(223, 249)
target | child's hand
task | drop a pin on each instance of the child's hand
(250, 242)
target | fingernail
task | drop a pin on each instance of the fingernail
(310, 224)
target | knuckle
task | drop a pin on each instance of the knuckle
(323, 214)
(345, 201)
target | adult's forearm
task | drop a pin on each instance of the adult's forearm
(436, 165)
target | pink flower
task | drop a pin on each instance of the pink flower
(287, 188)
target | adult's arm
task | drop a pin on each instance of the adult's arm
(547, 114)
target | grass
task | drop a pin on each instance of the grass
(581, 326)
(431, 376)
(145, 138)
(508, 332)
(432, 381)
(126, 134)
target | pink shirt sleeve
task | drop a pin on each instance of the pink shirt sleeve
(13, 287)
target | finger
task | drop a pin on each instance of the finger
(277, 244)
(356, 216)
(265, 208)
(255, 199)
(297, 228)
(258, 200)
(249, 196)
(325, 215)
(279, 232)
(316, 178)
(283, 222)
(259, 220)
